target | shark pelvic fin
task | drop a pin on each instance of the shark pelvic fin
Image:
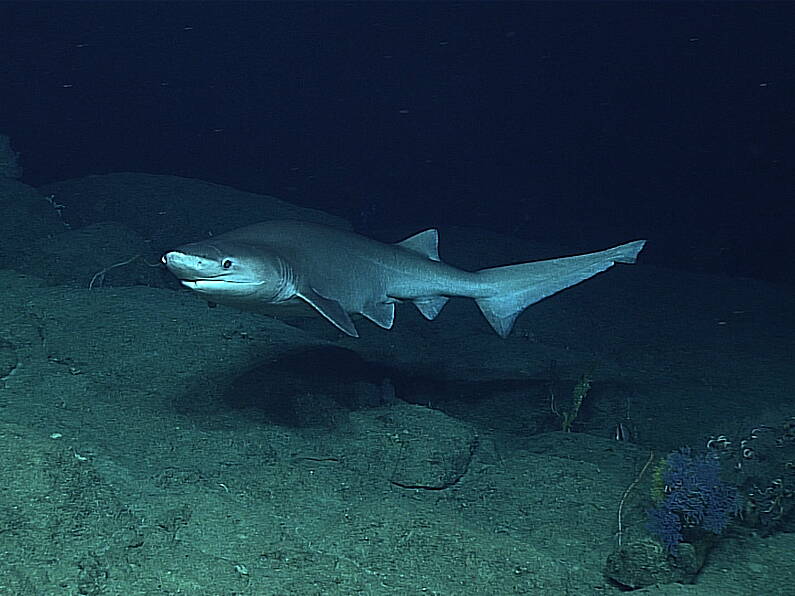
(380, 313)
(430, 306)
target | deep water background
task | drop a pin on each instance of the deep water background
(585, 124)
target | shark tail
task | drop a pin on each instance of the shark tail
(515, 287)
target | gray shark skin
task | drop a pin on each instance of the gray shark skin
(340, 273)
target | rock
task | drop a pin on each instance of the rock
(644, 562)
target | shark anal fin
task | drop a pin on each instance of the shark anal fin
(380, 313)
(430, 306)
(331, 310)
(425, 243)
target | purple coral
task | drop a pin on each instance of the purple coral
(695, 498)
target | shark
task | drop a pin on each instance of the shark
(340, 273)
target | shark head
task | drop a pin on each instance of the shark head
(222, 271)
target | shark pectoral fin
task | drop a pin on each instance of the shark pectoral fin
(425, 243)
(380, 313)
(430, 306)
(331, 310)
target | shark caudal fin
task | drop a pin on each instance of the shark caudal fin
(518, 286)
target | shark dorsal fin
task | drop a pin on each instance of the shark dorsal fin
(425, 243)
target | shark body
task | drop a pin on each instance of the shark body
(341, 273)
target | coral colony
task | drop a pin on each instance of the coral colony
(691, 498)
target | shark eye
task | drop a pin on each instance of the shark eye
(226, 264)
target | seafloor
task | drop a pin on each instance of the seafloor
(151, 445)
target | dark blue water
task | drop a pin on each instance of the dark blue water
(581, 123)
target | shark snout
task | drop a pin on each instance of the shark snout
(186, 266)
(176, 262)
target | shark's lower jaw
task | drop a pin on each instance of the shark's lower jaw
(220, 287)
